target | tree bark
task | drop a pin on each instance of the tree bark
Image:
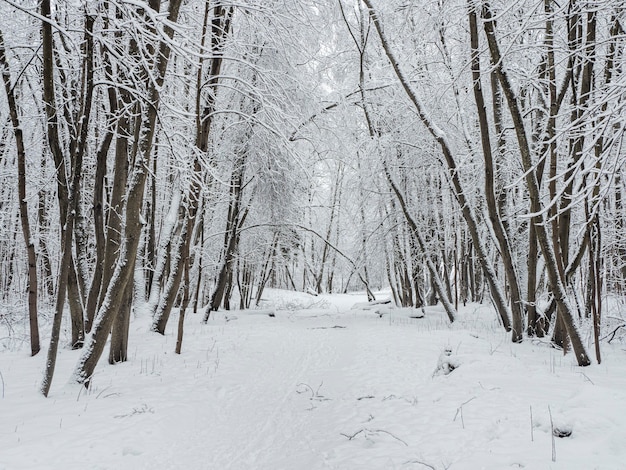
(118, 351)
(98, 199)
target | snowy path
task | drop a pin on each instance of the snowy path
(318, 389)
(286, 395)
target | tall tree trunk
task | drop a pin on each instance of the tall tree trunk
(220, 28)
(124, 269)
(490, 197)
(441, 138)
(98, 192)
(100, 235)
(72, 193)
(556, 282)
(114, 225)
(23, 202)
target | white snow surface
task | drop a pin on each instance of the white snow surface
(319, 386)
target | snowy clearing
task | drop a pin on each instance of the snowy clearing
(321, 385)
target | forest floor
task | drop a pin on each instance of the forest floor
(321, 385)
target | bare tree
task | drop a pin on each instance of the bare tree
(124, 268)
(555, 278)
(459, 193)
(33, 290)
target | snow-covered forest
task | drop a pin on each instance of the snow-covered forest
(179, 178)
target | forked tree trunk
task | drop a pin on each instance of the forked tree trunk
(99, 195)
(179, 263)
(114, 225)
(168, 229)
(118, 351)
(98, 216)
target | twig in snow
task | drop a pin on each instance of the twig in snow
(216, 361)
(587, 378)
(144, 408)
(459, 411)
(488, 389)
(419, 462)
(103, 390)
(350, 437)
(367, 432)
(80, 390)
(315, 394)
(307, 386)
(613, 333)
(328, 327)
(552, 434)
(2, 379)
(532, 435)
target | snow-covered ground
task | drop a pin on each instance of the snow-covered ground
(320, 386)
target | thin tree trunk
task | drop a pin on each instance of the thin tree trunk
(554, 276)
(73, 192)
(441, 138)
(492, 208)
(33, 289)
(181, 315)
(124, 269)
(196, 298)
(434, 275)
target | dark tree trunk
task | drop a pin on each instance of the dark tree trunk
(492, 208)
(555, 278)
(21, 183)
(134, 202)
